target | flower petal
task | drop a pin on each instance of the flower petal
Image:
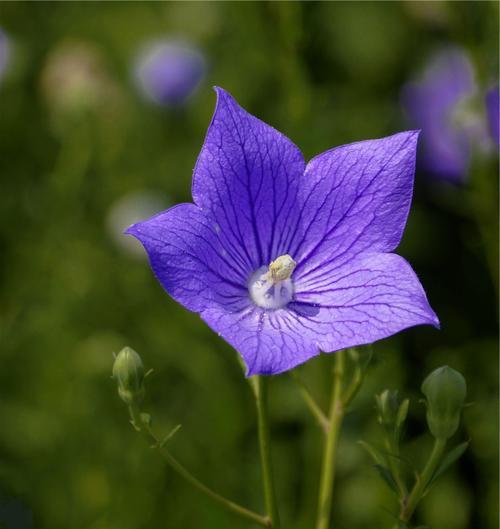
(364, 300)
(247, 176)
(190, 259)
(269, 342)
(355, 199)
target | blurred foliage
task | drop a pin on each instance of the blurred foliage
(323, 73)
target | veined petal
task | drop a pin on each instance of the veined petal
(364, 300)
(191, 260)
(247, 176)
(269, 342)
(355, 199)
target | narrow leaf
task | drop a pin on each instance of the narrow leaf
(402, 413)
(386, 475)
(374, 453)
(448, 460)
(169, 436)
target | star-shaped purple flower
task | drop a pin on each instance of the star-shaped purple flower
(283, 259)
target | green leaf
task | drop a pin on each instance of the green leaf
(386, 475)
(402, 414)
(448, 460)
(169, 436)
(375, 453)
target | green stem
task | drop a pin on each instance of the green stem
(418, 490)
(183, 472)
(353, 387)
(335, 418)
(313, 406)
(260, 391)
(392, 447)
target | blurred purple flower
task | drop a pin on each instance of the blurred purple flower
(492, 112)
(284, 259)
(437, 105)
(4, 52)
(169, 72)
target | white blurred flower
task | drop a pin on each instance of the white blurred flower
(127, 210)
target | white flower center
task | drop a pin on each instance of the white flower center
(271, 287)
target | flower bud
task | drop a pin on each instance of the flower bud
(128, 371)
(387, 407)
(445, 390)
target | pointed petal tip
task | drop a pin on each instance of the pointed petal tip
(131, 230)
(413, 134)
(220, 91)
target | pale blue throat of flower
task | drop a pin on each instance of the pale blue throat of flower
(271, 287)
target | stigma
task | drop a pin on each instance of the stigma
(271, 287)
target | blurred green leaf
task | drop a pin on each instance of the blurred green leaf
(386, 475)
(448, 460)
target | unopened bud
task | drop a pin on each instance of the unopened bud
(445, 390)
(128, 371)
(387, 407)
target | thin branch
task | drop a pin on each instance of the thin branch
(311, 403)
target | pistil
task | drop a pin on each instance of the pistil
(271, 287)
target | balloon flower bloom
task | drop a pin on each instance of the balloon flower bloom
(4, 52)
(283, 259)
(442, 103)
(170, 72)
(492, 112)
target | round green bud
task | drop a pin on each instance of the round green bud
(445, 390)
(128, 371)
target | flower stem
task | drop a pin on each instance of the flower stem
(335, 418)
(423, 480)
(154, 442)
(260, 392)
(311, 403)
(393, 458)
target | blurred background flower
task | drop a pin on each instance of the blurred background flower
(75, 79)
(439, 103)
(169, 72)
(128, 210)
(4, 52)
(493, 110)
(447, 103)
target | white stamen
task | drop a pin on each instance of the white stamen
(272, 288)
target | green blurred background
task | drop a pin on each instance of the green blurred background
(71, 293)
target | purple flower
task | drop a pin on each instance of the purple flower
(4, 52)
(492, 112)
(169, 72)
(284, 259)
(437, 105)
